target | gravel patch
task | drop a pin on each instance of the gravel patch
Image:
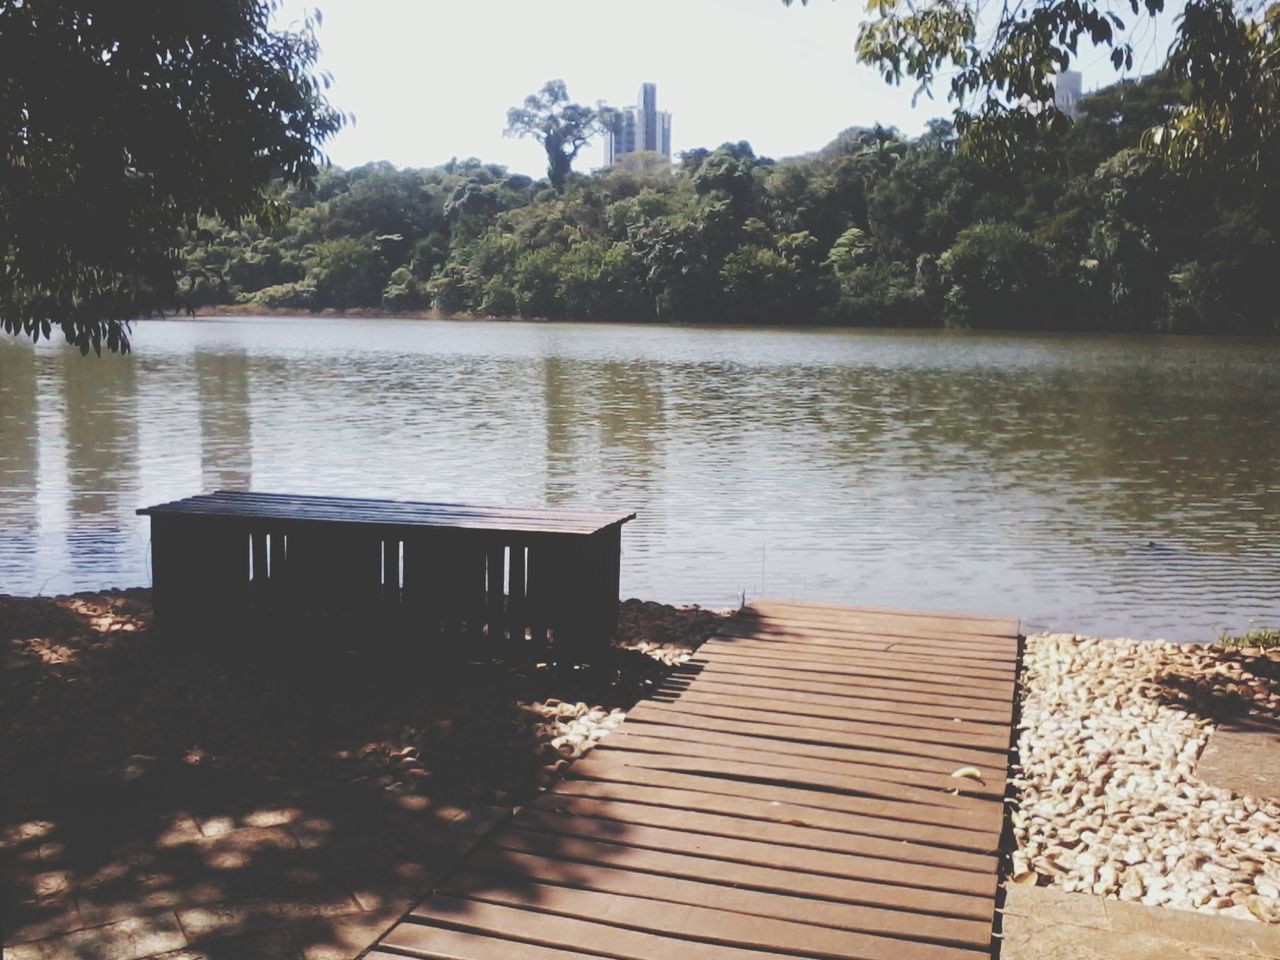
(1109, 801)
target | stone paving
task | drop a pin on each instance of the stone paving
(201, 865)
(1044, 923)
(1243, 756)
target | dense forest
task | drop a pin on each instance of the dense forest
(1089, 231)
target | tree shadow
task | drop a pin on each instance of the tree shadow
(232, 789)
(1241, 695)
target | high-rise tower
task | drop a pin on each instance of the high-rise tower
(642, 127)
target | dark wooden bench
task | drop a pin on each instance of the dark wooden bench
(229, 558)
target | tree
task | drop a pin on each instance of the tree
(1225, 54)
(120, 124)
(996, 278)
(563, 128)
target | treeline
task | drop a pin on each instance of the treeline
(1090, 232)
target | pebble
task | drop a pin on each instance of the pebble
(1108, 798)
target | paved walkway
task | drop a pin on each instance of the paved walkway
(1042, 923)
(793, 791)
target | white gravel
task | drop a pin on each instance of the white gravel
(1109, 800)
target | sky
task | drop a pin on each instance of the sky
(432, 79)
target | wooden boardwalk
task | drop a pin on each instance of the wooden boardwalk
(789, 793)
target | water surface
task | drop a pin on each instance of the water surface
(1100, 484)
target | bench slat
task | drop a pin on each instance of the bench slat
(388, 513)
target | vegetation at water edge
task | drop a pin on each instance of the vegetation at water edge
(1091, 231)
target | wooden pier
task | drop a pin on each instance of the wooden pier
(791, 792)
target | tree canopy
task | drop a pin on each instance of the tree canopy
(120, 125)
(563, 128)
(873, 228)
(998, 67)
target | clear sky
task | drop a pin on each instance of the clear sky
(431, 79)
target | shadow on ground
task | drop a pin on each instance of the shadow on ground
(1240, 691)
(274, 798)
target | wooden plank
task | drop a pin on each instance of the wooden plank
(957, 625)
(801, 693)
(909, 740)
(902, 634)
(423, 595)
(391, 571)
(1002, 623)
(630, 883)
(856, 767)
(976, 811)
(496, 594)
(229, 499)
(555, 513)
(517, 607)
(611, 571)
(658, 737)
(816, 682)
(437, 943)
(906, 629)
(802, 731)
(874, 670)
(903, 660)
(965, 732)
(982, 711)
(553, 931)
(792, 879)
(388, 512)
(378, 520)
(970, 833)
(768, 831)
(718, 847)
(914, 840)
(799, 640)
(538, 596)
(700, 922)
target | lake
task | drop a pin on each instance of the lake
(1103, 484)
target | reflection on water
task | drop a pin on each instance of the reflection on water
(99, 402)
(19, 449)
(1103, 484)
(222, 382)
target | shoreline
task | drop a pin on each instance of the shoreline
(241, 310)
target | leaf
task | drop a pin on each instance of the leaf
(968, 773)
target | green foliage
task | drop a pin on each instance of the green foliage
(995, 276)
(120, 125)
(874, 228)
(346, 273)
(998, 67)
(1266, 639)
(563, 128)
(1226, 57)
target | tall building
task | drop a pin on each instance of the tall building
(642, 127)
(1067, 92)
